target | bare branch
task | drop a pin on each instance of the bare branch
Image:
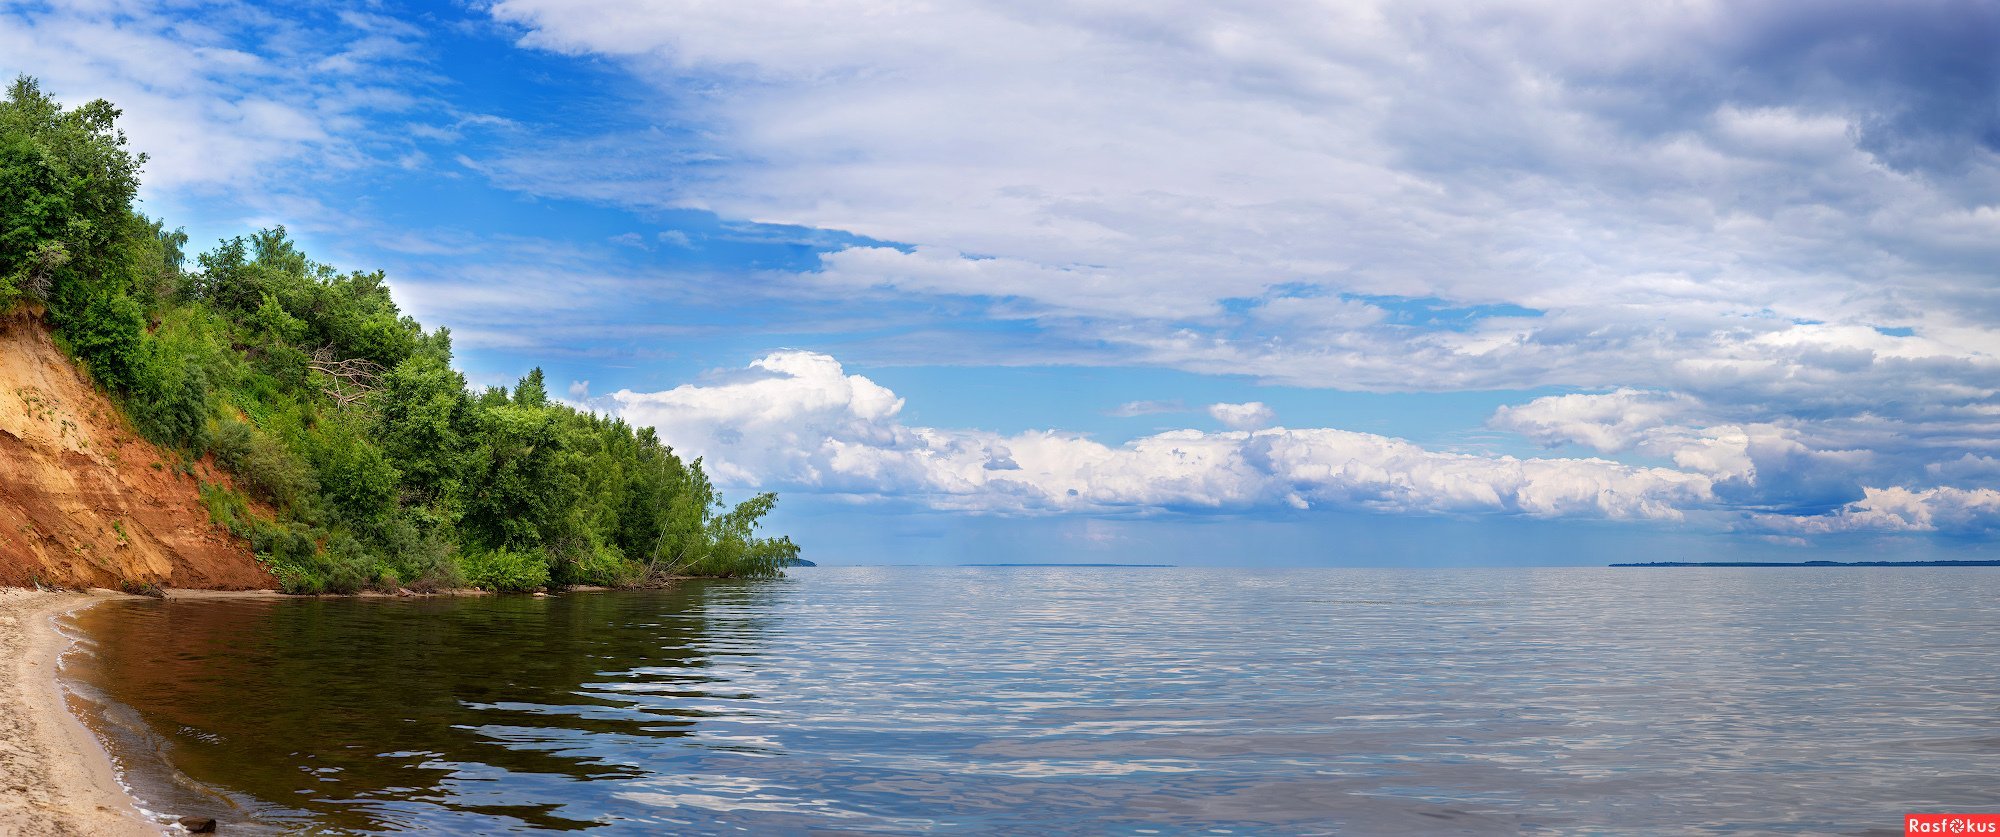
(349, 381)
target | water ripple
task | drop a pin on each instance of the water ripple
(1014, 700)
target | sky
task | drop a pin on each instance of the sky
(1271, 282)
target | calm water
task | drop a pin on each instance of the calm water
(1127, 701)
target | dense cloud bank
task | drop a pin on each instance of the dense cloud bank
(1759, 236)
(798, 420)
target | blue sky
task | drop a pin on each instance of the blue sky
(1276, 282)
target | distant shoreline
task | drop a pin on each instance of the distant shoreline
(1153, 566)
(1993, 563)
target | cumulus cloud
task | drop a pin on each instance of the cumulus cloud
(1250, 415)
(1652, 423)
(1761, 456)
(798, 420)
(1611, 422)
(794, 418)
(1953, 511)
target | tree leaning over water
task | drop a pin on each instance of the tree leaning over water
(360, 457)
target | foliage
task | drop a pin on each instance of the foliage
(225, 507)
(175, 396)
(264, 466)
(372, 462)
(68, 236)
(506, 570)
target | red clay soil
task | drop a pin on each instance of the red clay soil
(85, 502)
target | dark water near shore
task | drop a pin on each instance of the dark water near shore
(1041, 700)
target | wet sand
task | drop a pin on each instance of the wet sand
(55, 778)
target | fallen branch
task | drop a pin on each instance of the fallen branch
(349, 381)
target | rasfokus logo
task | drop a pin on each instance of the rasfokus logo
(1951, 824)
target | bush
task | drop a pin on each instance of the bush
(507, 571)
(346, 567)
(291, 554)
(227, 508)
(601, 565)
(268, 471)
(105, 332)
(355, 478)
(423, 556)
(174, 402)
(231, 440)
(285, 365)
(298, 581)
(433, 574)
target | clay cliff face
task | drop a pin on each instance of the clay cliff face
(84, 501)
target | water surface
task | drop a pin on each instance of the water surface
(1103, 700)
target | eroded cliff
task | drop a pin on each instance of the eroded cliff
(86, 502)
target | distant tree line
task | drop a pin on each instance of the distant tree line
(359, 456)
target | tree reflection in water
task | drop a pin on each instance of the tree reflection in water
(379, 714)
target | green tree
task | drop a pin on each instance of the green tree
(423, 420)
(519, 492)
(66, 188)
(68, 236)
(531, 392)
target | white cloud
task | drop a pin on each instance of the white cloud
(1147, 408)
(797, 420)
(1773, 463)
(1894, 510)
(1065, 289)
(1610, 423)
(1652, 423)
(786, 422)
(1251, 415)
(228, 99)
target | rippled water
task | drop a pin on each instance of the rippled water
(1037, 700)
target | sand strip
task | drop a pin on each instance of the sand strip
(55, 778)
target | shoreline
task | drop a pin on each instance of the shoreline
(1804, 565)
(55, 775)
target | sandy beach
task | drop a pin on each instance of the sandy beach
(54, 776)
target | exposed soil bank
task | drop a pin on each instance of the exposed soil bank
(84, 501)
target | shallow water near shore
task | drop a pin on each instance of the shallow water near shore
(1051, 700)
